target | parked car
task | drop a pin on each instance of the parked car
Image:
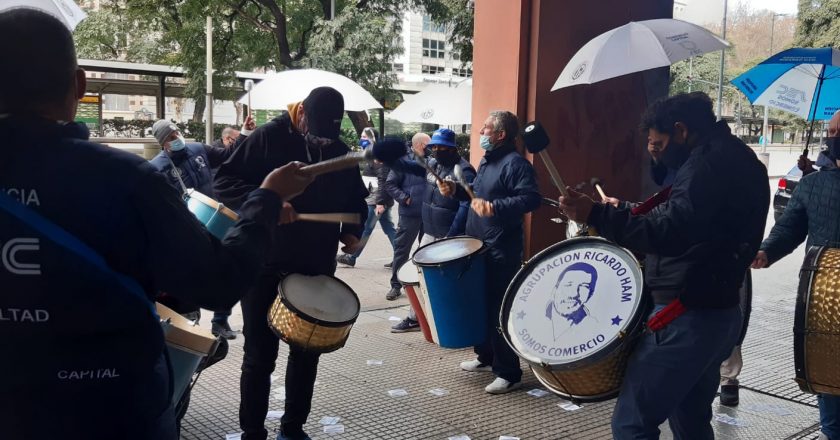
(786, 186)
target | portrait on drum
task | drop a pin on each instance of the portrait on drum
(574, 288)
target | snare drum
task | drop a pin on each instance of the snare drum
(314, 313)
(187, 344)
(215, 216)
(572, 313)
(409, 277)
(816, 329)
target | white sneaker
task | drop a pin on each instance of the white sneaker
(501, 386)
(475, 366)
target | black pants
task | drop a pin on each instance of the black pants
(495, 351)
(261, 345)
(407, 231)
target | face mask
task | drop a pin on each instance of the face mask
(177, 144)
(833, 147)
(485, 143)
(675, 155)
(364, 143)
(446, 158)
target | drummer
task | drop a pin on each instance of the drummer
(506, 189)
(812, 212)
(698, 245)
(110, 226)
(309, 132)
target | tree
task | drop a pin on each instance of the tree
(818, 23)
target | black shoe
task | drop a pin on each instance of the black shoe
(346, 260)
(729, 395)
(296, 436)
(223, 330)
(389, 265)
(406, 325)
(393, 294)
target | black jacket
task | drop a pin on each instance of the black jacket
(402, 186)
(302, 247)
(380, 194)
(699, 244)
(507, 180)
(118, 205)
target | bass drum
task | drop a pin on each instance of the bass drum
(816, 340)
(573, 313)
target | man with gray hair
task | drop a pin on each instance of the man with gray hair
(505, 189)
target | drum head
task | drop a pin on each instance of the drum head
(408, 274)
(573, 302)
(447, 250)
(320, 297)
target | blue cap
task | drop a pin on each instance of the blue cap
(443, 136)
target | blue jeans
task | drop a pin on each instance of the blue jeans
(829, 415)
(673, 375)
(386, 223)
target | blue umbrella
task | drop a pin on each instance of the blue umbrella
(802, 81)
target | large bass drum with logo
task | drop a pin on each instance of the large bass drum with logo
(816, 330)
(573, 313)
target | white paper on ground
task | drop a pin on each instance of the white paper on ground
(459, 437)
(374, 362)
(723, 418)
(274, 414)
(536, 392)
(394, 319)
(569, 406)
(397, 393)
(328, 420)
(438, 391)
(508, 437)
(334, 429)
(236, 436)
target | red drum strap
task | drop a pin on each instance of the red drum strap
(655, 200)
(664, 317)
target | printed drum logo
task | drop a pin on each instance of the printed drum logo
(574, 303)
(427, 114)
(579, 71)
(9, 256)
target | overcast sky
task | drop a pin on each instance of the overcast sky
(780, 6)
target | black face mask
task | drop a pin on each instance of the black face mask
(447, 158)
(833, 147)
(675, 155)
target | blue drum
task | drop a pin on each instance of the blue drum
(453, 276)
(215, 216)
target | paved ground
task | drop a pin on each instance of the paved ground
(772, 406)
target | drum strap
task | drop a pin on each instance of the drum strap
(655, 200)
(664, 317)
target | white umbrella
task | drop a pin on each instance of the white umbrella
(278, 90)
(635, 47)
(438, 104)
(64, 10)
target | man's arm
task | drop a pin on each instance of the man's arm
(243, 171)
(792, 228)
(520, 178)
(393, 185)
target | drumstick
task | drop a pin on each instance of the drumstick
(596, 182)
(387, 151)
(333, 217)
(459, 176)
(536, 140)
(422, 161)
(249, 85)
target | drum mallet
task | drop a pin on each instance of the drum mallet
(422, 161)
(332, 217)
(459, 178)
(536, 140)
(249, 85)
(387, 151)
(596, 183)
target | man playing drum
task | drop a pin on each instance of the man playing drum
(698, 245)
(298, 247)
(95, 233)
(812, 211)
(506, 189)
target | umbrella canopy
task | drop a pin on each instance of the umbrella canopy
(635, 47)
(805, 82)
(64, 10)
(281, 89)
(438, 104)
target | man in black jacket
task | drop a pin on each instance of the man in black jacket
(698, 245)
(506, 190)
(97, 233)
(298, 247)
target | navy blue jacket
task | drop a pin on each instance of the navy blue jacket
(84, 325)
(194, 164)
(403, 186)
(508, 181)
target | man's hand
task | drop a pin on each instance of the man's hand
(351, 243)
(287, 181)
(482, 207)
(249, 123)
(408, 201)
(380, 209)
(612, 201)
(577, 206)
(760, 261)
(287, 214)
(805, 164)
(655, 152)
(446, 188)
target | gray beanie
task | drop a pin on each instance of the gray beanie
(162, 129)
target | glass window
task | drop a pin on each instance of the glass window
(431, 26)
(432, 70)
(115, 102)
(433, 48)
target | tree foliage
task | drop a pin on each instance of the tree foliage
(818, 23)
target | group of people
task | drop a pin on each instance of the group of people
(108, 233)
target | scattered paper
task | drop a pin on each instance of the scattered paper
(394, 319)
(237, 436)
(374, 362)
(459, 437)
(569, 406)
(334, 429)
(397, 393)
(769, 409)
(723, 418)
(536, 392)
(329, 420)
(507, 437)
(439, 392)
(274, 414)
